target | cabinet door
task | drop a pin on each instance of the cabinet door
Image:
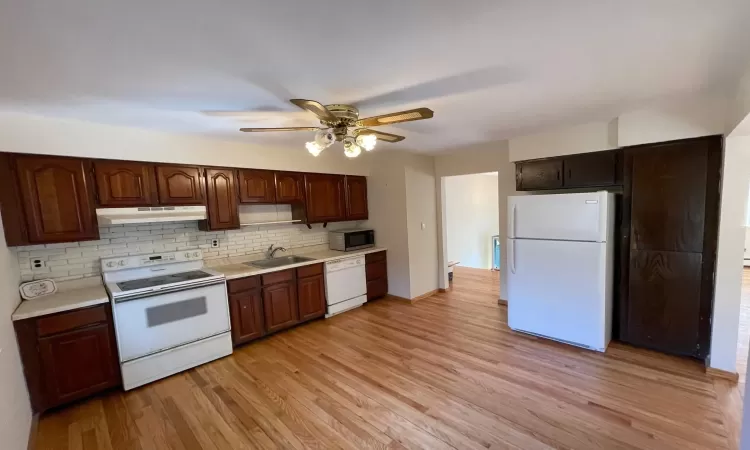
(57, 198)
(312, 297)
(221, 191)
(125, 183)
(539, 175)
(289, 187)
(179, 185)
(591, 169)
(377, 288)
(325, 200)
(246, 309)
(356, 198)
(257, 186)
(78, 363)
(280, 306)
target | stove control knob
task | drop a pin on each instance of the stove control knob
(196, 254)
(111, 264)
(121, 262)
(187, 255)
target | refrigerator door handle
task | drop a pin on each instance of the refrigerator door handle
(512, 255)
(513, 222)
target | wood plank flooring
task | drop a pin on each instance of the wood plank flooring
(441, 373)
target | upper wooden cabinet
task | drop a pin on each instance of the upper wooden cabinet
(257, 186)
(324, 198)
(290, 187)
(584, 170)
(57, 197)
(356, 198)
(125, 183)
(221, 193)
(180, 185)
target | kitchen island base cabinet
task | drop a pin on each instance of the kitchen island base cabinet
(68, 356)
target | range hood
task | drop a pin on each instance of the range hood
(120, 216)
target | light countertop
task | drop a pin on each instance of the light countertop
(234, 267)
(74, 294)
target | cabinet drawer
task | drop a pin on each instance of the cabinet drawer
(376, 270)
(243, 284)
(373, 257)
(67, 321)
(277, 277)
(309, 271)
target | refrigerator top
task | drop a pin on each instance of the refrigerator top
(585, 217)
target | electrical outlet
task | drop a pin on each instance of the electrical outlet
(214, 243)
(37, 264)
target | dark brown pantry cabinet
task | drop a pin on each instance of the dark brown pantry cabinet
(356, 197)
(68, 356)
(670, 221)
(221, 200)
(325, 198)
(57, 197)
(180, 185)
(125, 183)
(257, 186)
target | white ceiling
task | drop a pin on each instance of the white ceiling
(489, 69)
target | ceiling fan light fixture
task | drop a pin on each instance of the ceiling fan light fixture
(324, 138)
(351, 149)
(367, 141)
(313, 148)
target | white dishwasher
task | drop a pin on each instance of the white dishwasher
(346, 285)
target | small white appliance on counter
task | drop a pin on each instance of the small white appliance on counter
(346, 285)
(351, 239)
(560, 257)
(170, 314)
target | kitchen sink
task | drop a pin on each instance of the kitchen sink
(278, 262)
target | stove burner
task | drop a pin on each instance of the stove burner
(163, 279)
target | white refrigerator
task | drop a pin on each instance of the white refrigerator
(560, 258)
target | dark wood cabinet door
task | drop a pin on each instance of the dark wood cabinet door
(125, 183)
(356, 198)
(591, 169)
(539, 175)
(280, 306)
(289, 187)
(179, 185)
(257, 186)
(312, 297)
(246, 310)
(221, 191)
(325, 199)
(377, 288)
(78, 363)
(58, 199)
(665, 295)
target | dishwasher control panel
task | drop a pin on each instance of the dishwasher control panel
(344, 263)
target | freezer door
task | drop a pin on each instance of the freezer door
(575, 217)
(559, 289)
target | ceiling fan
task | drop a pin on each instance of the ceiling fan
(337, 121)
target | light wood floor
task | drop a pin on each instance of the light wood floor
(444, 372)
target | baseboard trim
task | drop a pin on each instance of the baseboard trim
(502, 302)
(425, 295)
(443, 291)
(734, 377)
(32, 432)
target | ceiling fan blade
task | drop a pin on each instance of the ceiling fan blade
(316, 108)
(255, 130)
(387, 137)
(397, 117)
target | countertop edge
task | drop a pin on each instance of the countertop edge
(54, 310)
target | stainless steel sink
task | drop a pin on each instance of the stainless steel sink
(278, 262)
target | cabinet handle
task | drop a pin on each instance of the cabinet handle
(558, 175)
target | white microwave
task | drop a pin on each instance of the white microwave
(351, 239)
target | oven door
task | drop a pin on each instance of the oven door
(148, 325)
(355, 240)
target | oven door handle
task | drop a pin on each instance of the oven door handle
(139, 296)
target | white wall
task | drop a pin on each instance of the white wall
(24, 133)
(584, 138)
(472, 218)
(15, 410)
(421, 215)
(667, 121)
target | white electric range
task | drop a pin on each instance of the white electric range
(170, 314)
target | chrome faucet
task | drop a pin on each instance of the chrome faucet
(272, 251)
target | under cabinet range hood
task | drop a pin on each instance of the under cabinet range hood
(120, 216)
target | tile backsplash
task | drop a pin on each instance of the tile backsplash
(75, 260)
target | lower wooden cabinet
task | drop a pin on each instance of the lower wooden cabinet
(68, 356)
(311, 293)
(376, 273)
(280, 303)
(246, 310)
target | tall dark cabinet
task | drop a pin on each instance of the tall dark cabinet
(669, 234)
